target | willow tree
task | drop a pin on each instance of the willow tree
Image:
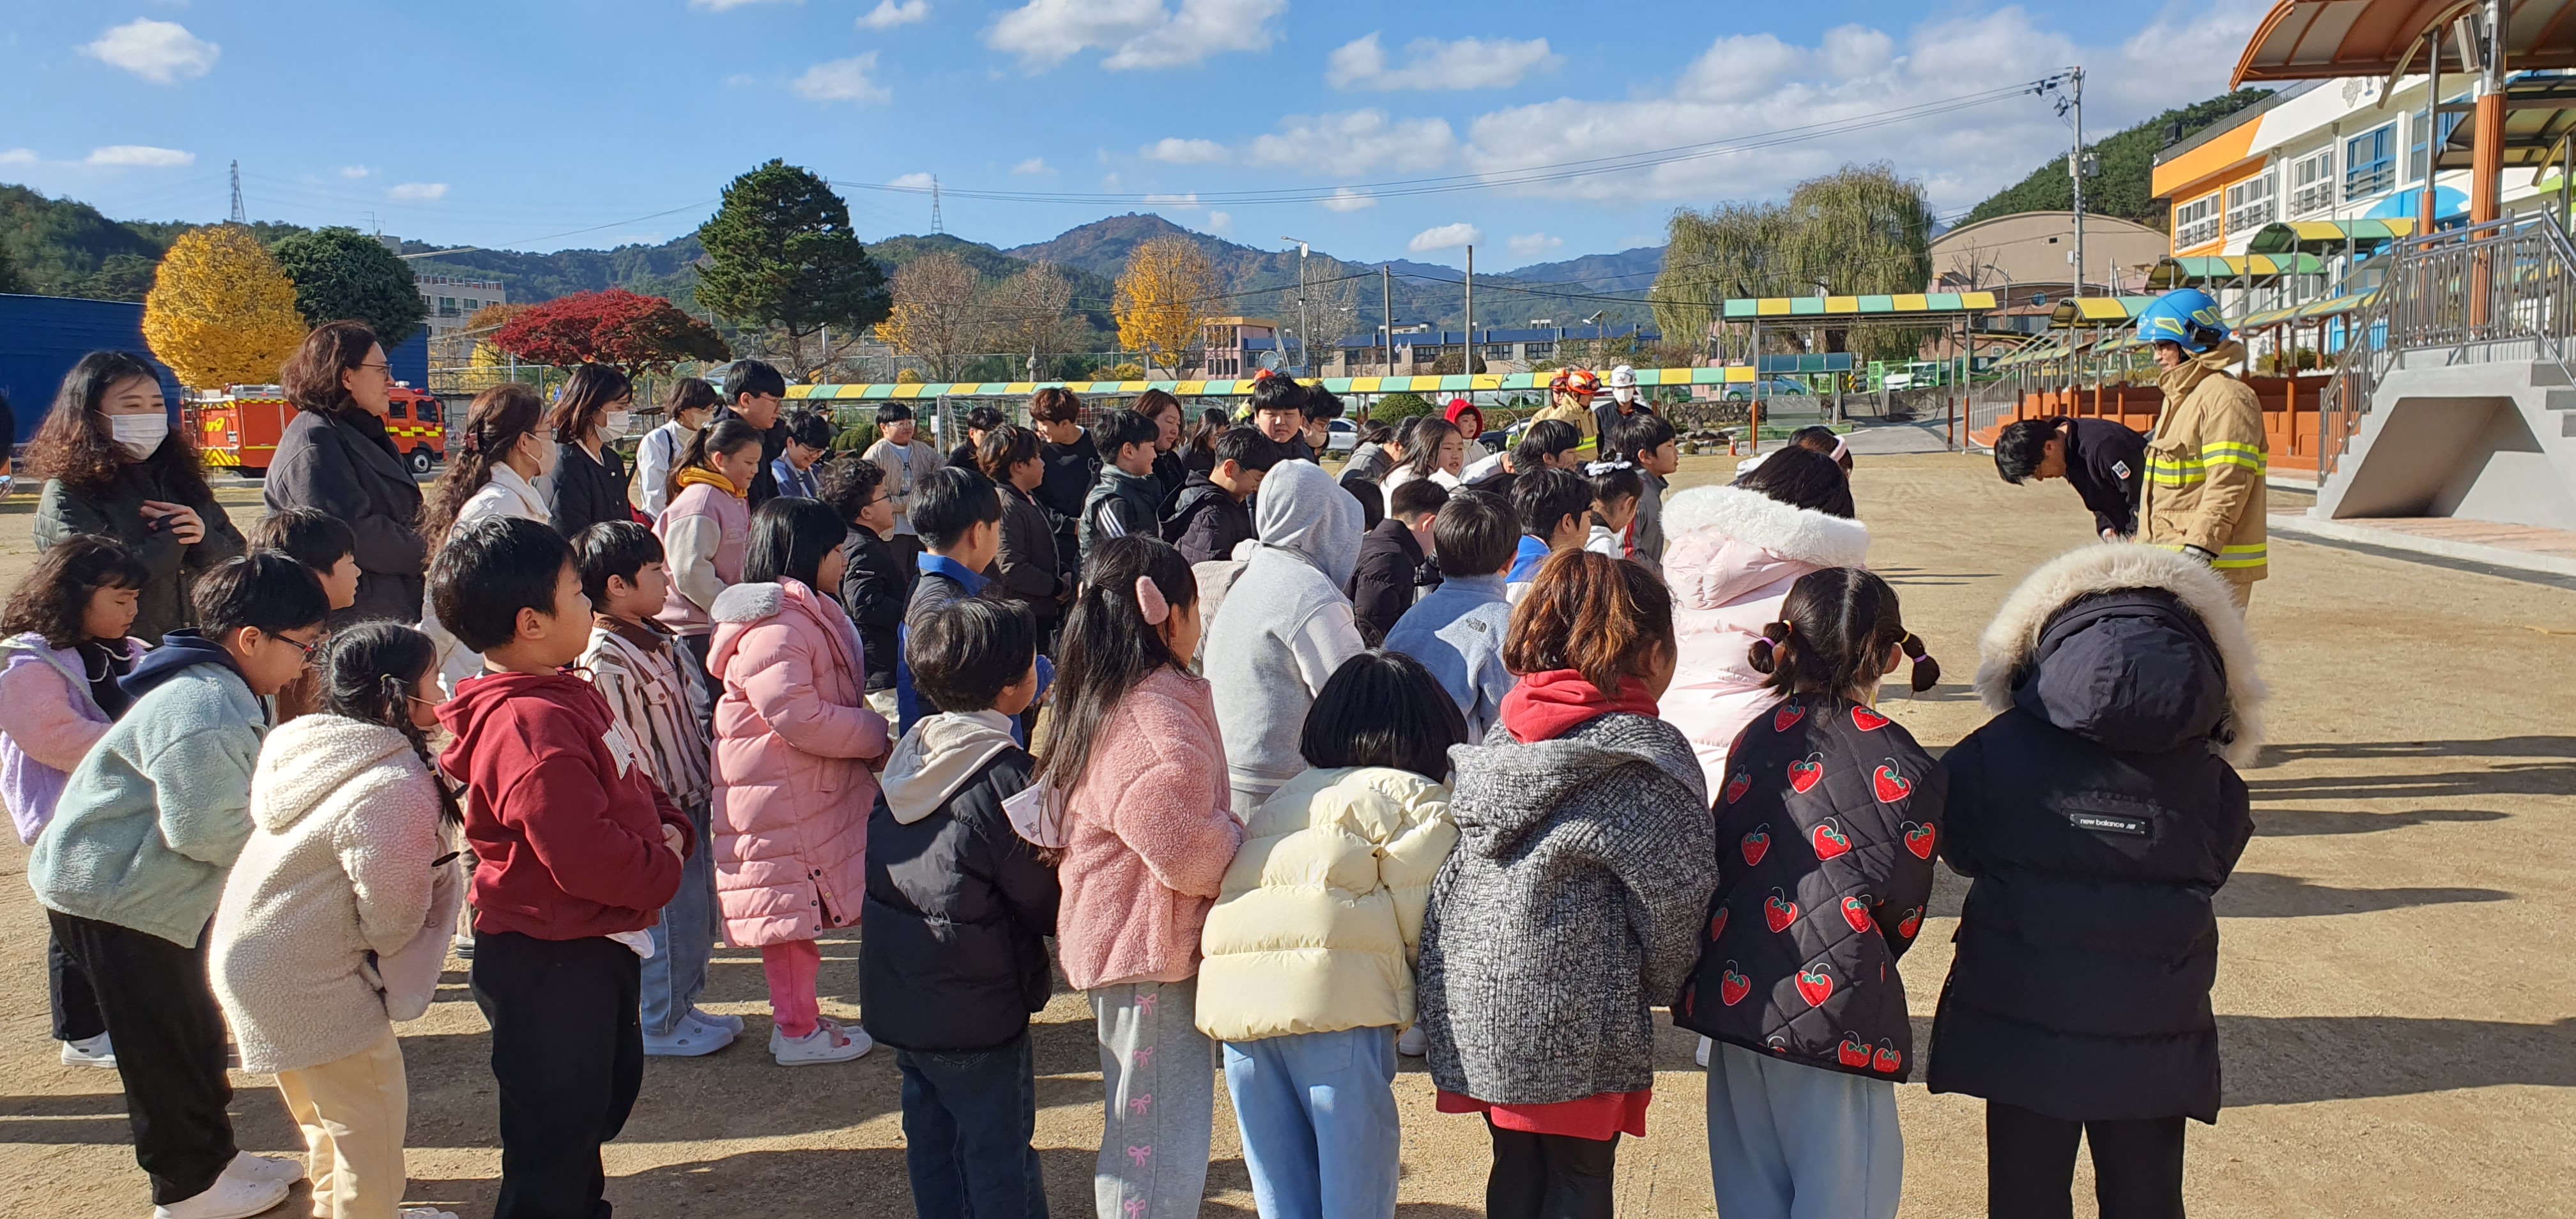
(1860, 230)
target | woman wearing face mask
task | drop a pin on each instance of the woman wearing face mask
(692, 406)
(336, 457)
(112, 468)
(590, 481)
(492, 470)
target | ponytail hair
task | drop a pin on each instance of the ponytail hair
(1833, 635)
(496, 421)
(725, 438)
(1607, 618)
(368, 673)
(1112, 642)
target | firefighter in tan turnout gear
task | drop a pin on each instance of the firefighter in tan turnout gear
(2207, 460)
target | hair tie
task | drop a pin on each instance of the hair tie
(1915, 651)
(1150, 603)
(1842, 448)
(473, 441)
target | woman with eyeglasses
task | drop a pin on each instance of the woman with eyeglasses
(337, 457)
(114, 468)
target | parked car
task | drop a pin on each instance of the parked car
(1345, 437)
(1769, 387)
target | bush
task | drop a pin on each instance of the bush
(855, 438)
(1120, 372)
(1398, 406)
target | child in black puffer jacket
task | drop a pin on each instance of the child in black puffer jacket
(1826, 827)
(2096, 815)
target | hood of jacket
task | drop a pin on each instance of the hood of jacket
(1199, 489)
(1723, 542)
(2072, 642)
(516, 495)
(748, 602)
(477, 697)
(1506, 790)
(1302, 511)
(937, 757)
(180, 650)
(312, 756)
(2178, 382)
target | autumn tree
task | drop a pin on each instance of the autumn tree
(1031, 312)
(781, 254)
(1162, 299)
(935, 317)
(343, 273)
(615, 326)
(1859, 230)
(221, 311)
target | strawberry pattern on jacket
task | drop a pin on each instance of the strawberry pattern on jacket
(796, 748)
(1826, 829)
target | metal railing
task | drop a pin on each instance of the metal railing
(2499, 292)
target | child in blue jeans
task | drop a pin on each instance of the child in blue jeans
(1308, 957)
(959, 905)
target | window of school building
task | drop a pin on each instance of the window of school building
(2249, 204)
(2196, 222)
(2370, 162)
(2312, 186)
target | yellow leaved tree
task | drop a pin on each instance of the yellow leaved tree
(1163, 298)
(221, 310)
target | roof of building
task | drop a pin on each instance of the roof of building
(2309, 39)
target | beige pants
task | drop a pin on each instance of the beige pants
(353, 1112)
(2240, 591)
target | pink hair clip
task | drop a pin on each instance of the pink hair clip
(1150, 603)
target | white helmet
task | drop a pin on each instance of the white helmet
(1623, 377)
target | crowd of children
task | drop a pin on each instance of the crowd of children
(1292, 793)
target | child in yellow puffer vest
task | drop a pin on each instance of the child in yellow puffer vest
(1308, 957)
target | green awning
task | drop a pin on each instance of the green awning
(2204, 269)
(2091, 312)
(2328, 236)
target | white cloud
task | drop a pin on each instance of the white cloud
(1347, 200)
(1446, 237)
(1742, 87)
(163, 52)
(888, 14)
(1531, 245)
(356, 171)
(1137, 34)
(1177, 151)
(1468, 63)
(1221, 224)
(1178, 203)
(141, 154)
(417, 192)
(842, 80)
(1353, 142)
(1034, 167)
(1108, 181)
(914, 182)
(18, 156)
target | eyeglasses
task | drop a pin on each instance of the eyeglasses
(305, 649)
(386, 369)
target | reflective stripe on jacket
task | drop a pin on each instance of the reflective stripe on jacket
(2206, 467)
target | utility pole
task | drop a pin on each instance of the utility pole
(936, 225)
(2076, 166)
(1467, 363)
(1386, 313)
(240, 216)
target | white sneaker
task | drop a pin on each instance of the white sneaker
(1411, 1043)
(730, 1024)
(90, 1052)
(689, 1040)
(828, 1042)
(425, 1212)
(1702, 1055)
(230, 1197)
(248, 1167)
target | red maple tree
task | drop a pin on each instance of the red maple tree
(632, 331)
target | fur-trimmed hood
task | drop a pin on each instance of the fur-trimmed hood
(2011, 649)
(1787, 530)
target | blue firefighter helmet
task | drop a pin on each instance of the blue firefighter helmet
(2187, 316)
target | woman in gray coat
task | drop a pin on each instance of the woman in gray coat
(114, 468)
(336, 457)
(1572, 906)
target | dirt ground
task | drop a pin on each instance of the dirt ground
(2396, 995)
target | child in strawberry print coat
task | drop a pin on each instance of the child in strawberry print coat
(1826, 827)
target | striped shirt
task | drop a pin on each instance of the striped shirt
(655, 687)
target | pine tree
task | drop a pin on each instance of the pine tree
(341, 273)
(221, 311)
(781, 254)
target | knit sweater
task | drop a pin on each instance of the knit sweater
(154, 815)
(1570, 909)
(336, 874)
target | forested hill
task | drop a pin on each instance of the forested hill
(2125, 185)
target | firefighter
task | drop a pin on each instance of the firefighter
(2206, 461)
(1570, 393)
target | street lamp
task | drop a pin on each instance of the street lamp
(1302, 338)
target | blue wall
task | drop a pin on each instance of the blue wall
(41, 337)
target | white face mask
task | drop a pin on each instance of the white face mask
(140, 435)
(1623, 394)
(612, 424)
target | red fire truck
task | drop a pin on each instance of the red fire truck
(239, 426)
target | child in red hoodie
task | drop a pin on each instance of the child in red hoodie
(576, 853)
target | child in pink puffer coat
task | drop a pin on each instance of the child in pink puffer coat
(796, 748)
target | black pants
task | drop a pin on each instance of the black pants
(568, 1054)
(1549, 1176)
(169, 1035)
(968, 1119)
(76, 1015)
(2030, 1165)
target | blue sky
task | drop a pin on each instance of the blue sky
(542, 124)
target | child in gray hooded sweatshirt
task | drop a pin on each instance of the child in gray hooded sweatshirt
(1285, 627)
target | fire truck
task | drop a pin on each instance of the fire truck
(239, 426)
